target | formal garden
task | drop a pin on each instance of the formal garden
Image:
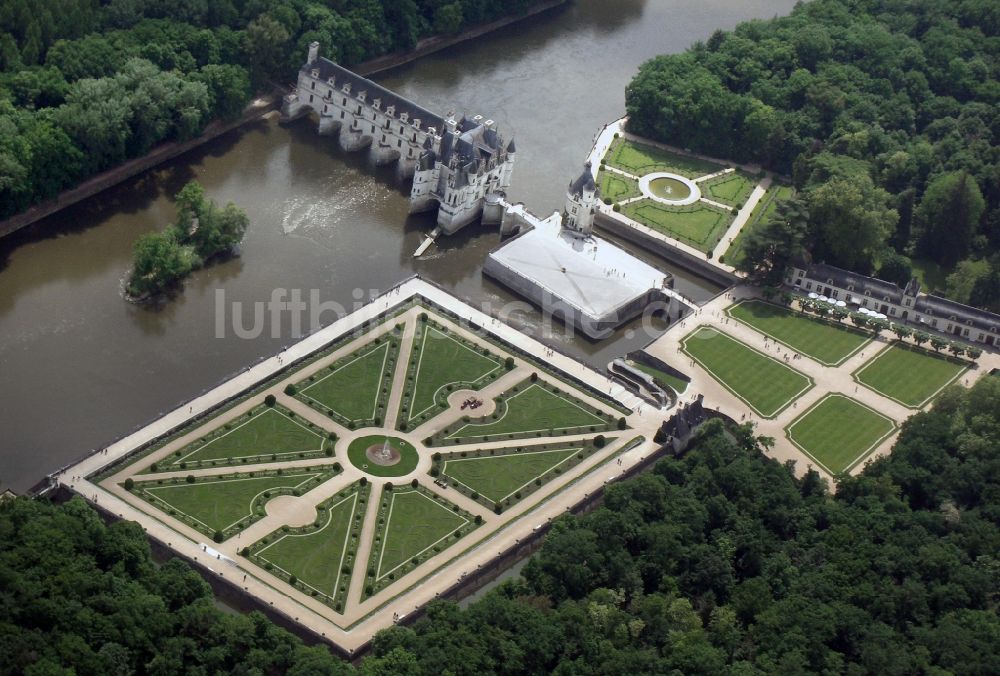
(839, 432)
(683, 197)
(501, 477)
(763, 383)
(910, 375)
(323, 479)
(828, 342)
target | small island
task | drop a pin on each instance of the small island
(202, 232)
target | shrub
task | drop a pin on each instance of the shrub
(290, 390)
(218, 536)
(414, 483)
(660, 436)
(329, 452)
(388, 486)
(475, 495)
(479, 519)
(509, 363)
(435, 472)
(534, 377)
(622, 423)
(189, 478)
(600, 441)
(616, 208)
(129, 484)
(363, 481)
(292, 580)
(270, 400)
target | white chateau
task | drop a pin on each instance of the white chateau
(455, 163)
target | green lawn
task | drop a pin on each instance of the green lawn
(441, 363)
(414, 523)
(824, 341)
(761, 214)
(498, 477)
(533, 410)
(908, 374)
(733, 189)
(697, 225)
(228, 503)
(617, 187)
(268, 431)
(357, 453)
(352, 386)
(639, 159)
(765, 384)
(316, 557)
(668, 379)
(839, 432)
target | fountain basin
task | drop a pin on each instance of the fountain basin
(667, 188)
(383, 455)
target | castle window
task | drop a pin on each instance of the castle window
(868, 293)
(850, 287)
(314, 84)
(345, 101)
(310, 98)
(399, 144)
(373, 128)
(341, 115)
(965, 332)
(400, 129)
(801, 272)
(892, 311)
(809, 286)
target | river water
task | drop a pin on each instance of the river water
(80, 367)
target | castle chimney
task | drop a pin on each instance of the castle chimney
(313, 52)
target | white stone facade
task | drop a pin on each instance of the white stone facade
(455, 163)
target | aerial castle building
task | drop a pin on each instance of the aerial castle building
(456, 164)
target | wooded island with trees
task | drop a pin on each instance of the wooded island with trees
(202, 231)
(884, 113)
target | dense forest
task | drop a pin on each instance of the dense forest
(86, 84)
(720, 561)
(886, 113)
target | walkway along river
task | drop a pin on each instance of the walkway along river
(80, 367)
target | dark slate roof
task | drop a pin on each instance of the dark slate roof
(510, 147)
(328, 69)
(935, 306)
(925, 304)
(878, 288)
(584, 182)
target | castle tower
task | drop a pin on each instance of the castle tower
(581, 204)
(313, 52)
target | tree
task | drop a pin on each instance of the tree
(948, 216)
(921, 337)
(956, 349)
(850, 220)
(895, 268)
(902, 331)
(938, 343)
(160, 262)
(769, 250)
(859, 319)
(967, 275)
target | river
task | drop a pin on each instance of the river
(80, 367)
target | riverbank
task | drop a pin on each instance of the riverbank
(440, 42)
(161, 153)
(257, 109)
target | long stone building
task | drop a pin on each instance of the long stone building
(906, 304)
(456, 163)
